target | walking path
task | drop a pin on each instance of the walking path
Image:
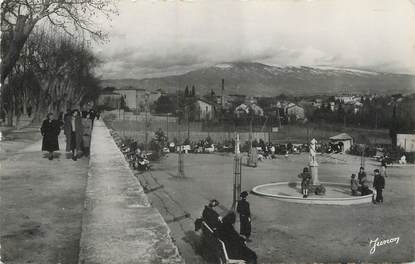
(66, 212)
(118, 225)
(41, 202)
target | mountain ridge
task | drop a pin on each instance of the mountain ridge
(257, 79)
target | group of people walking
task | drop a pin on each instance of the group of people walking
(224, 228)
(77, 129)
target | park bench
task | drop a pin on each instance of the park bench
(215, 247)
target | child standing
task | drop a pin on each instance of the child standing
(379, 185)
(305, 182)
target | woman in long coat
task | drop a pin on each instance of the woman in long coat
(50, 131)
(244, 216)
(76, 133)
(87, 129)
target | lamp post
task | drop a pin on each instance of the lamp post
(237, 173)
(167, 125)
(180, 165)
(146, 121)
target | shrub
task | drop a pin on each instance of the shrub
(318, 190)
(155, 156)
(186, 141)
(410, 157)
(394, 152)
(245, 147)
(209, 140)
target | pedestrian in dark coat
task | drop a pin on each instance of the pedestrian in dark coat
(210, 216)
(92, 114)
(76, 133)
(50, 131)
(87, 130)
(244, 216)
(379, 185)
(235, 244)
(67, 129)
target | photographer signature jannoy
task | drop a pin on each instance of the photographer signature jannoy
(374, 244)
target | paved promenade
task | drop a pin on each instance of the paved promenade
(41, 201)
(118, 224)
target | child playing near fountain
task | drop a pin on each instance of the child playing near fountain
(354, 186)
(305, 182)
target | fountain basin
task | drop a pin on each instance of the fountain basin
(336, 194)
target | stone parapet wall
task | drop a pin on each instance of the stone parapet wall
(119, 225)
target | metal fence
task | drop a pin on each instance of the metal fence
(194, 136)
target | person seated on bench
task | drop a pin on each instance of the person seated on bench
(210, 216)
(234, 243)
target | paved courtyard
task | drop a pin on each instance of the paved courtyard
(289, 232)
(42, 205)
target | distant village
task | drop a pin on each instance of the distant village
(361, 110)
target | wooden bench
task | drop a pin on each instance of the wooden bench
(212, 242)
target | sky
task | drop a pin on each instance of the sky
(153, 38)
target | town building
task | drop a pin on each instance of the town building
(406, 141)
(246, 109)
(344, 138)
(317, 103)
(294, 111)
(204, 110)
(136, 98)
(110, 100)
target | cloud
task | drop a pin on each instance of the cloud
(166, 37)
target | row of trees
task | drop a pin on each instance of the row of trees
(381, 112)
(47, 64)
(54, 72)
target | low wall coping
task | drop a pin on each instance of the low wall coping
(118, 224)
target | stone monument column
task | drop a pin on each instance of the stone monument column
(313, 163)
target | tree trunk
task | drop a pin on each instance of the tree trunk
(10, 118)
(24, 106)
(23, 28)
(41, 111)
(18, 114)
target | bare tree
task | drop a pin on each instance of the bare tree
(54, 71)
(19, 17)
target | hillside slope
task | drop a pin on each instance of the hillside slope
(259, 79)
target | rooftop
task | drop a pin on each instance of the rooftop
(342, 136)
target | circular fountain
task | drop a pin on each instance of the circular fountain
(336, 193)
(324, 192)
